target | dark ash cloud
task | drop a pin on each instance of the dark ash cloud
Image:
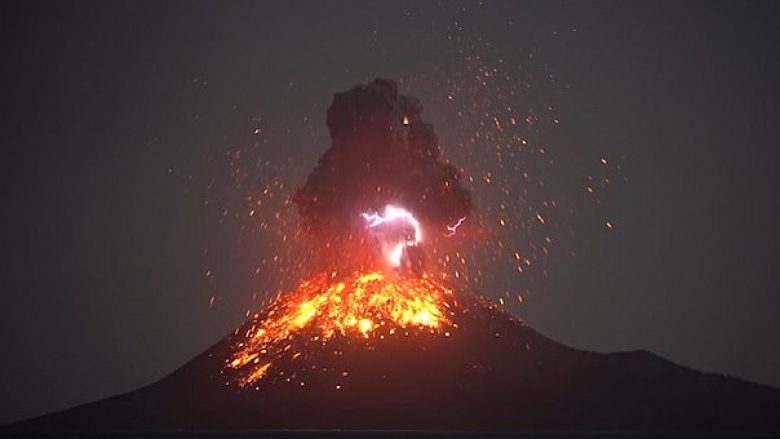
(382, 152)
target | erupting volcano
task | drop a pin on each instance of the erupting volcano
(380, 335)
(382, 152)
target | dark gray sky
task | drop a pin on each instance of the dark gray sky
(114, 114)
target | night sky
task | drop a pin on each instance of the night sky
(120, 120)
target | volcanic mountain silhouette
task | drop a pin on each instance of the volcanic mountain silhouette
(492, 373)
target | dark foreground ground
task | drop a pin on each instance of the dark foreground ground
(493, 374)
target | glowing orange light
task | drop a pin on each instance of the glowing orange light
(365, 305)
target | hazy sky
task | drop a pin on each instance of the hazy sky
(114, 114)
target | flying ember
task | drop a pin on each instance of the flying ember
(368, 306)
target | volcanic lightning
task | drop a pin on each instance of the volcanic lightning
(454, 228)
(400, 230)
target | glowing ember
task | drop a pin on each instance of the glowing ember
(361, 306)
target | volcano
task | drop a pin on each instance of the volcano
(378, 340)
(492, 373)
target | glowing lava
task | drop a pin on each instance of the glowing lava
(360, 306)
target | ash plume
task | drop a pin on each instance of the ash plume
(382, 152)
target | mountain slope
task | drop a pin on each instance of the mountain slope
(492, 373)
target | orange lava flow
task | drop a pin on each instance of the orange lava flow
(362, 306)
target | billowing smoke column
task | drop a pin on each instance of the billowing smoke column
(382, 156)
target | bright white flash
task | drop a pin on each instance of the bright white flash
(393, 229)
